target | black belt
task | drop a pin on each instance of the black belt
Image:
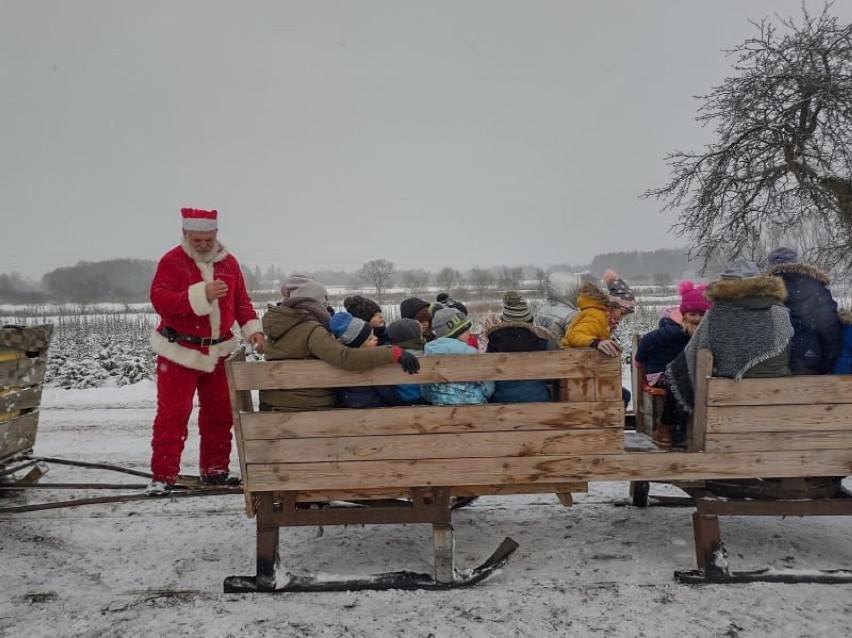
(173, 335)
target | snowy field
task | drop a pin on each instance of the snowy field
(600, 568)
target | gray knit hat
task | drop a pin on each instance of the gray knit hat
(404, 330)
(515, 308)
(350, 330)
(449, 322)
(740, 268)
(301, 285)
(782, 255)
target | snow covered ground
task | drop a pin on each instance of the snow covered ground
(600, 568)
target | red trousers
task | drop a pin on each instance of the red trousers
(176, 386)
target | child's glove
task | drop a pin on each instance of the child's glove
(607, 346)
(405, 359)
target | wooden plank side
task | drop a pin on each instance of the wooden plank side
(22, 399)
(577, 389)
(458, 490)
(697, 429)
(241, 402)
(18, 435)
(799, 390)
(778, 418)
(432, 419)
(22, 372)
(436, 446)
(779, 441)
(522, 470)
(30, 339)
(288, 375)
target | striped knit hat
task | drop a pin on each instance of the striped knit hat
(349, 330)
(515, 308)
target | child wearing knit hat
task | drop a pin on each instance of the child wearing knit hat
(369, 311)
(356, 333)
(600, 312)
(660, 347)
(450, 329)
(406, 334)
(516, 333)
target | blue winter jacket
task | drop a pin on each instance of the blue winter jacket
(844, 361)
(813, 312)
(659, 347)
(459, 392)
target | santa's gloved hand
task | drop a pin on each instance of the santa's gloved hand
(405, 359)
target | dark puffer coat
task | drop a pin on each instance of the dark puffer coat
(518, 336)
(659, 347)
(813, 312)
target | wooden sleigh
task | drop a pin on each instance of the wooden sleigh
(406, 464)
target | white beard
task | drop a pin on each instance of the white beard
(203, 256)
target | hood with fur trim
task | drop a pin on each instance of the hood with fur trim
(734, 290)
(805, 270)
(591, 296)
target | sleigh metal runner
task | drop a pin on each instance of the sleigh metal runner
(414, 464)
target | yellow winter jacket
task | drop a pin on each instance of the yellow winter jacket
(591, 322)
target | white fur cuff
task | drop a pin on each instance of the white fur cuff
(251, 327)
(198, 298)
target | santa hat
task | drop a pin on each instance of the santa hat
(692, 297)
(199, 220)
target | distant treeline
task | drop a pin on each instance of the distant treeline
(128, 280)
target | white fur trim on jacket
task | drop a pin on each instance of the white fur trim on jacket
(206, 270)
(189, 358)
(198, 299)
(251, 327)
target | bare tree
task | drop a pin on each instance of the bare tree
(414, 281)
(481, 279)
(510, 277)
(447, 279)
(379, 274)
(540, 275)
(782, 157)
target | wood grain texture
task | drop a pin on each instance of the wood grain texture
(426, 419)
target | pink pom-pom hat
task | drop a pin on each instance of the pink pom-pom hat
(692, 297)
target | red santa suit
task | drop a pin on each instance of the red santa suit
(192, 340)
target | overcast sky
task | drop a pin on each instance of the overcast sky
(328, 134)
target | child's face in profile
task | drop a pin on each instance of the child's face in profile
(377, 321)
(614, 315)
(371, 342)
(425, 327)
(693, 318)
